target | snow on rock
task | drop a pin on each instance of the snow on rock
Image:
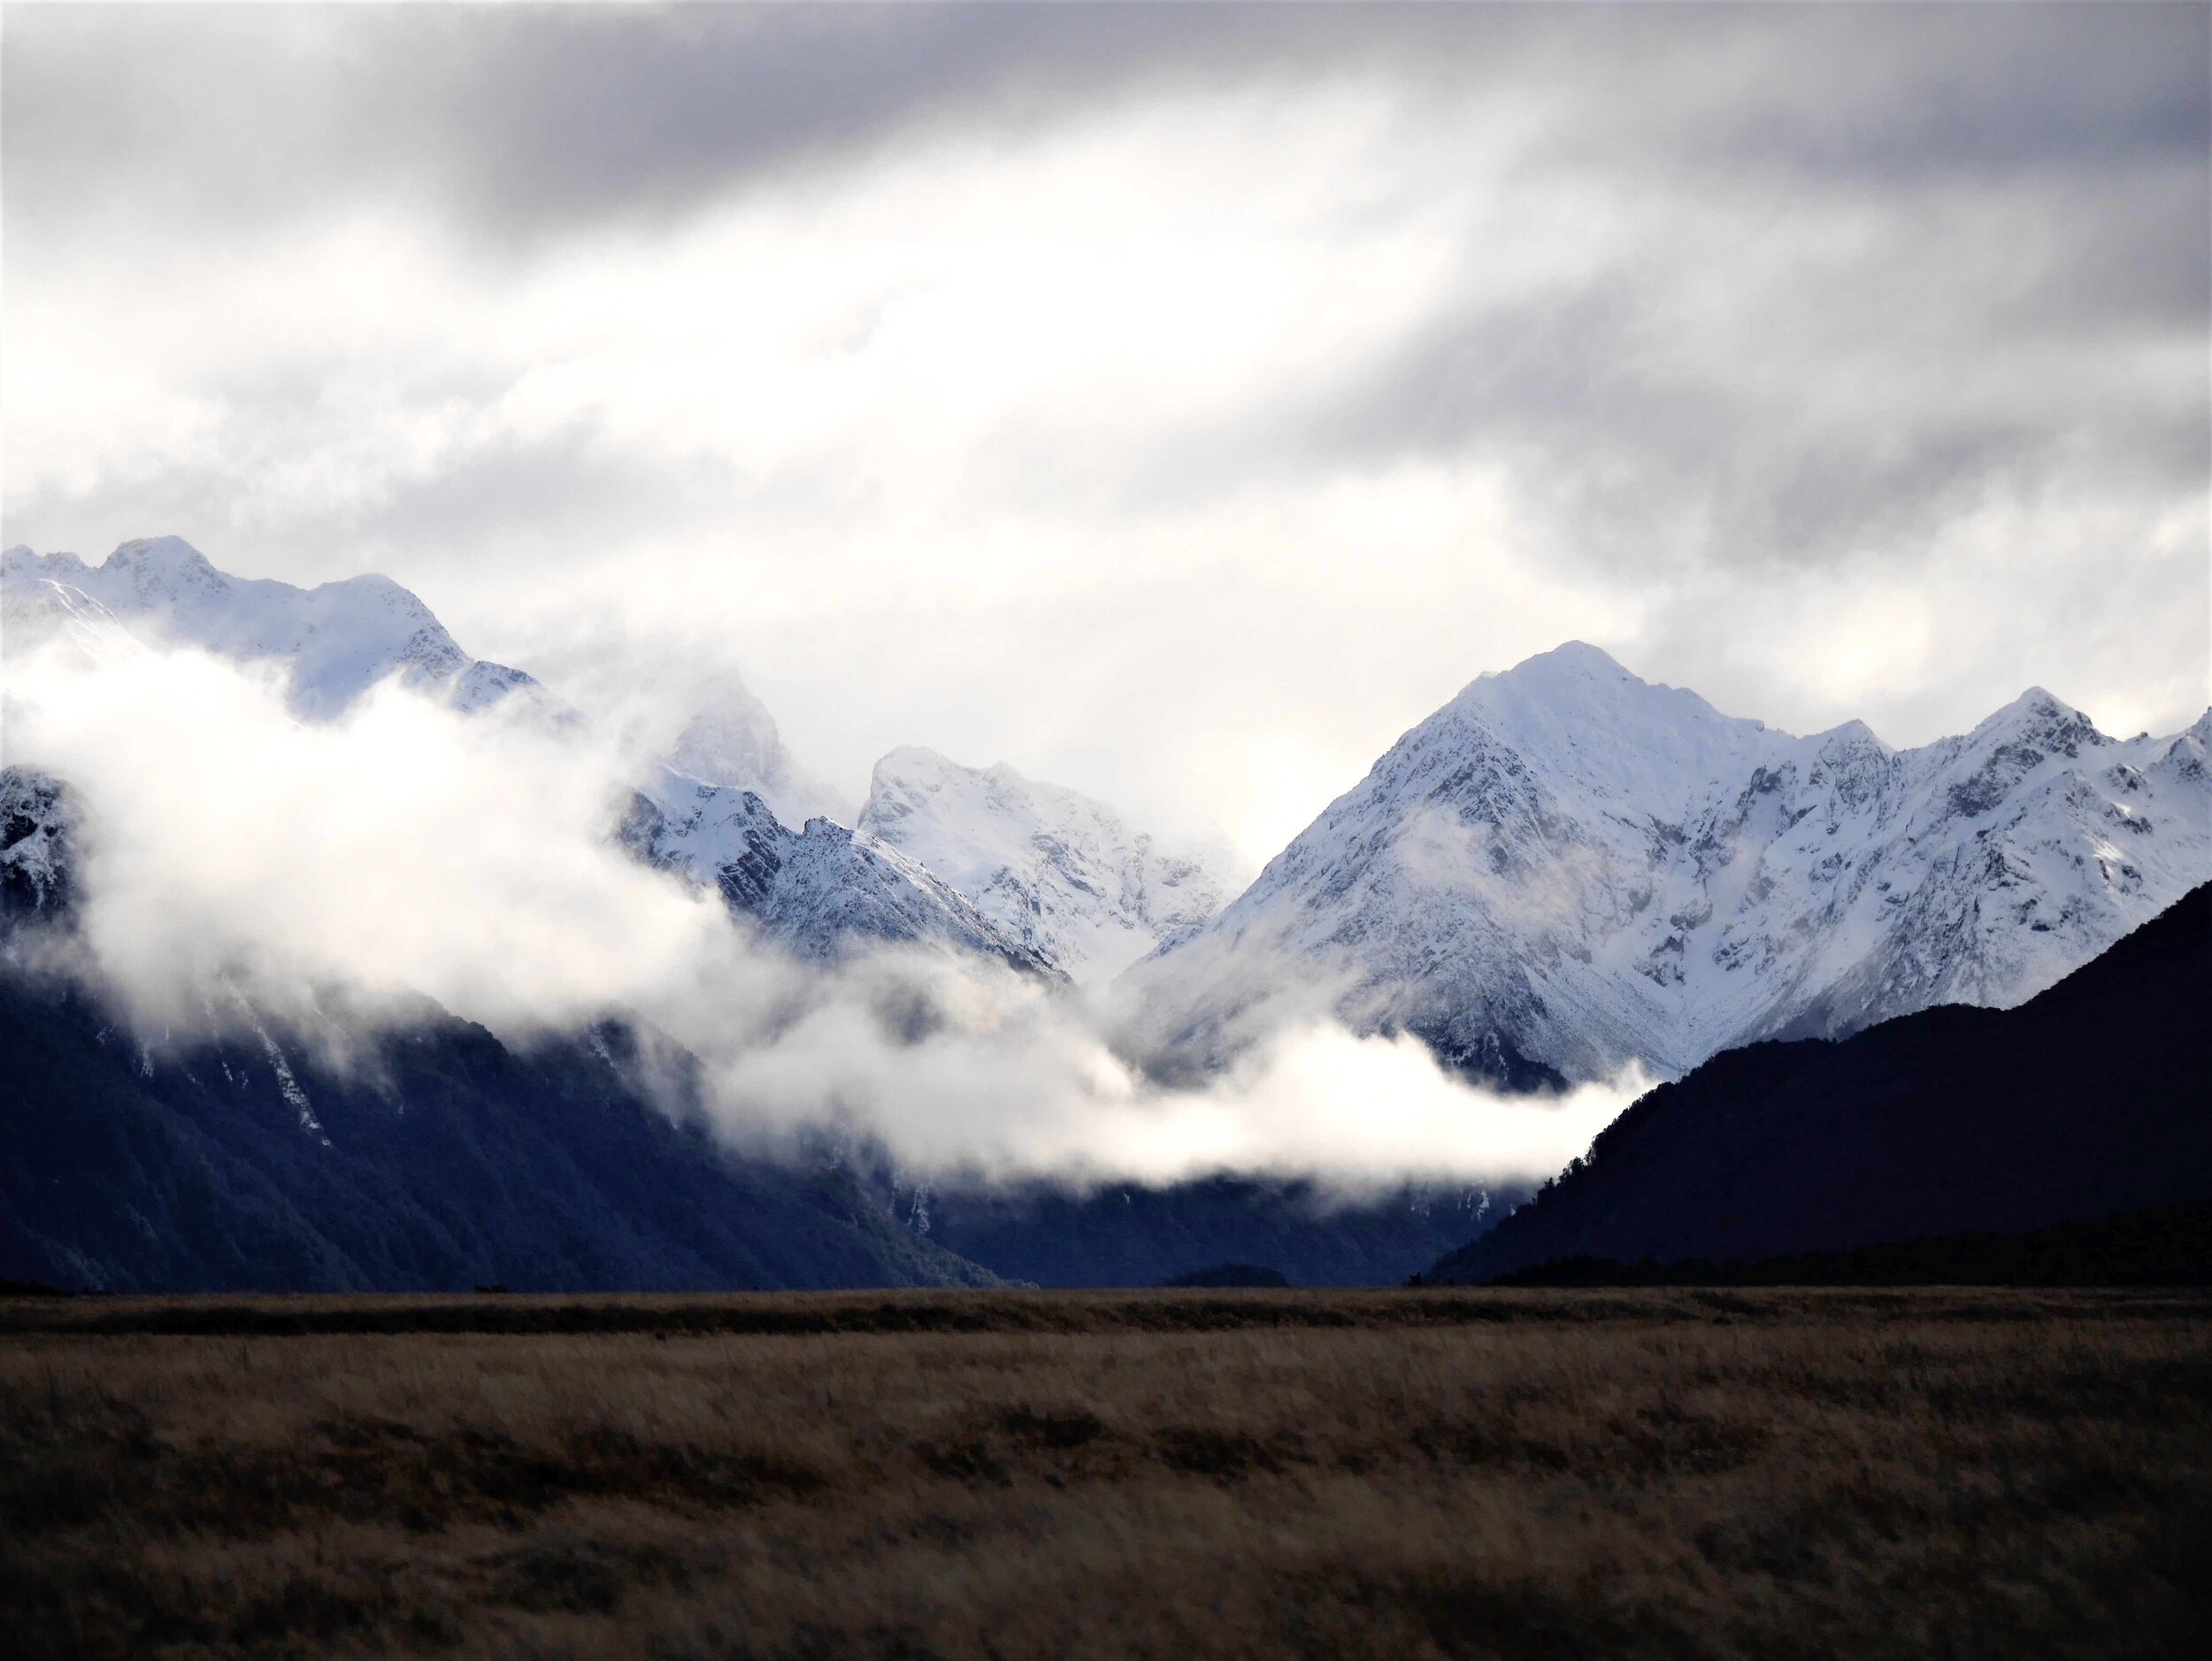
(334, 641)
(38, 612)
(1061, 872)
(1566, 870)
(820, 893)
(712, 815)
(731, 740)
(40, 821)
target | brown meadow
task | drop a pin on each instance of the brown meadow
(1407, 1475)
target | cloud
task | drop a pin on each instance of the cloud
(340, 871)
(976, 1101)
(1174, 402)
(402, 850)
(522, 121)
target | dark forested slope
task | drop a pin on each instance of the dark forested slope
(436, 1158)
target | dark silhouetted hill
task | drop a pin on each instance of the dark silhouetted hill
(2171, 1246)
(2094, 1098)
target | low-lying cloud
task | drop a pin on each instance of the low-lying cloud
(404, 849)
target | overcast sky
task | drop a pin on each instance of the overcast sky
(1177, 403)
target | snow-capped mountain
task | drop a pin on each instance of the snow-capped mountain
(1563, 871)
(1057, 871)
(1566, 869)
(821, 892)
(731, 740)
(334, 641)
(818, 891)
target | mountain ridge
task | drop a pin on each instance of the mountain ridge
(1563, 871)
(817, 892)
(336, 640)
(1056, 869)
(1566, 870)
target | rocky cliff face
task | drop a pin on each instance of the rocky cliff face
(821, 893)
(38, 825)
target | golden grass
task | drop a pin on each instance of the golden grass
(1755, 1473)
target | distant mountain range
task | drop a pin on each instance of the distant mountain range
(1039, 878)
(1565, 871)
(333, 642)
(2092, 1098)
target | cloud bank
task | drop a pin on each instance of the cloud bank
(403, 851)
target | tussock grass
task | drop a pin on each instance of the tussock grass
(1744, 1473)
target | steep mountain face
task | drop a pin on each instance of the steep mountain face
(2087, 1100)
(821, 893)
(1566, 869)
(1060, 872)
(407, 1152)
(731, 740)
(334, 641)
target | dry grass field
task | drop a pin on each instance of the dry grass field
(1753, 1473)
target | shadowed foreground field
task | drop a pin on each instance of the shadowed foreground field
(1740, 1472)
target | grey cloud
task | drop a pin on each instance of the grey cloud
(524, 120)
(574, 480)
(2081, 132)
(521, 120)
(536, 500)
(1912, 95)
(1963, 230)
(1795, 405)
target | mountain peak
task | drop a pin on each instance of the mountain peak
(731, 739)
(162, 571)
(161, 553)
(1576, 654)
(913, 758)
(1853, 736)
(932, 770)
(2038, 712)
(1568, 658)
(1575, 711)
(2034, 700)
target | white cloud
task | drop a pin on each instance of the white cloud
(1187, 438)
(405, 849)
